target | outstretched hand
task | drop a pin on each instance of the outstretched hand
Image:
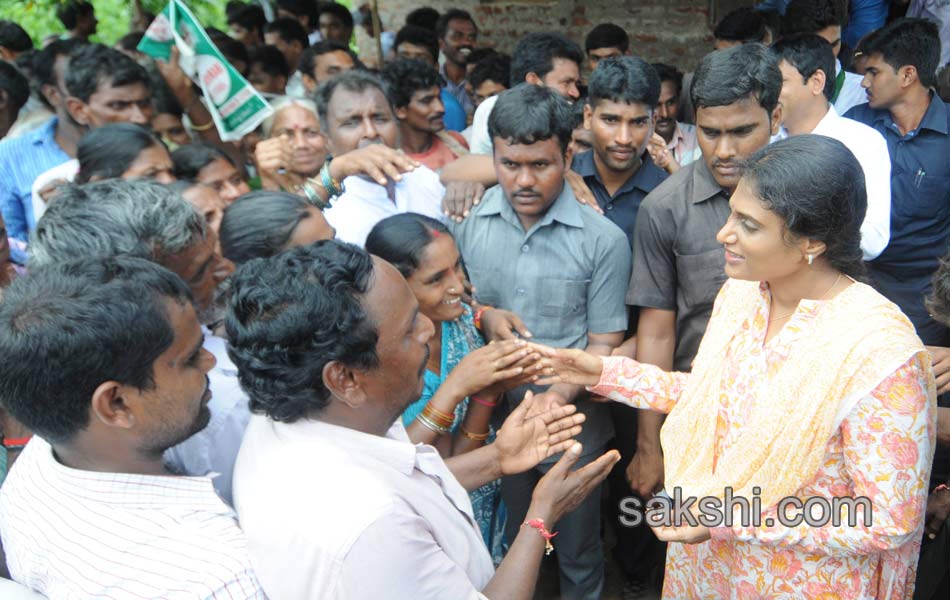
(569, 365)
(523, 441)
(499, 324)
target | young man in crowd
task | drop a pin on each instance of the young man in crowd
(79, 19)
(806, 60)
(489, 77)
(267, 70)
(458, 34)
(14, 92)
(824, 18)
(289, 36)
(530, 248)
(14, 40)
(129, 384)
(305, 13)
(674, 143)
(678, 266)
(246, 25)
(901, 70)
(605, 41)
(416, 43)
(336, 22)
(621, 99)
(414, 90)
(150, 221)
(324, 60)
(331, 347)
(355, 112)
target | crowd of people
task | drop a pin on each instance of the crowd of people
(447, 314)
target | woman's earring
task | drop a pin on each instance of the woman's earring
(811, 258)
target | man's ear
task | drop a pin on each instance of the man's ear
(110, 407)
(77, 110)
(908, 75)
(816, 83)
(6, 54)
(309, 83)
(401, 112)
(588, 116)
(533, 79)
(51, 93)
(776, 123)
(344, 383)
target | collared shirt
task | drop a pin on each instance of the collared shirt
(69, 533)
(21, 160)
(622, 207)
(920, 212)
(677, 263)
(331, 513)
(214, 449)
(365, 203)
(481, 142)
(564, 277)
(851, 93)
(684, 146)
(869, 147)
(458, 90)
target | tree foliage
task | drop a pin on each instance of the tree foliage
(38, 17)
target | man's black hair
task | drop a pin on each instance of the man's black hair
(809, 53)
(250, 17)
(454, 14)
(425, 17)
(535, 53)
(811, 16)
(337, 10)
(130, 41)
(607, 35)
(292, 314)
(914, 42)
(404, 77)
(494, 67)
(727, 76)
(233, 50)
(418, 36)
(742, 25)
(670, 73)
(289, 30)
(92, 65)
(528, 113)
(301, 8)
(14, 38)
(14, 86)
(97, 320)
(270, 59)
(69, 12)
(624, 79)
(308, 60)
(188, 160)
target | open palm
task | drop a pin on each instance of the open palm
(524, 441)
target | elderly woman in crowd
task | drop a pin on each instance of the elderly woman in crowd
(293, 149)
(808, 384)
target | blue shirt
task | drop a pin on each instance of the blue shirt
(920, 211)
(622, 207)
(22, 160)
(454, 119)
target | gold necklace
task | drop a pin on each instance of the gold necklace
(828, 291)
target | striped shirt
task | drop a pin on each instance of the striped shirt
(69, 533)
(22, 160)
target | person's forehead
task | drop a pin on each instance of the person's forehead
(346, 102)
(461, 25)
(542, 149)
(489, 85)
(605, 52)
(330, 19)
(337, 57)
(130, 92)
(742, 112)
(667, 88)
(187, 330)
(216, 170)
(294, 115)
(787, 68)
(563, 67)
(432, 91)
(627, 109)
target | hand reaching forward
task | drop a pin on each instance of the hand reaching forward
(381, 163)
(499, 324)
(568, 365)
(495, 368)
(561, 490)
(524, 442)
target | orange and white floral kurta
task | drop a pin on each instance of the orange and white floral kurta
(882, 450)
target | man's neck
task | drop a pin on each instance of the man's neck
(669, 137)
(67, 135)
(416, 141)
(85, 455)
(611, 179)
(909, 111)
(453, 72)
(808, 121)
(364, 421)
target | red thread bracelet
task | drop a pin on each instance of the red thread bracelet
(547, 535)
(478, 400)
(16, 443)
(477, 318)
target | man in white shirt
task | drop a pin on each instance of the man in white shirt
(90, 509)
(336, 501)
(150, 221)
(806, 90)
(355, 112)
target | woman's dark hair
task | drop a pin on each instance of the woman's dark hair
(106, 152)
(260, 224)
(816, 185)
(97, 319)
(188, 160)
(290, 315)
(401, 239)
(939, 302)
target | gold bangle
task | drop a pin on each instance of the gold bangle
(204, 127)
(432, 426)
(475, 437)
(438, 417)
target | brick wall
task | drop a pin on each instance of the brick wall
(673, 31)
